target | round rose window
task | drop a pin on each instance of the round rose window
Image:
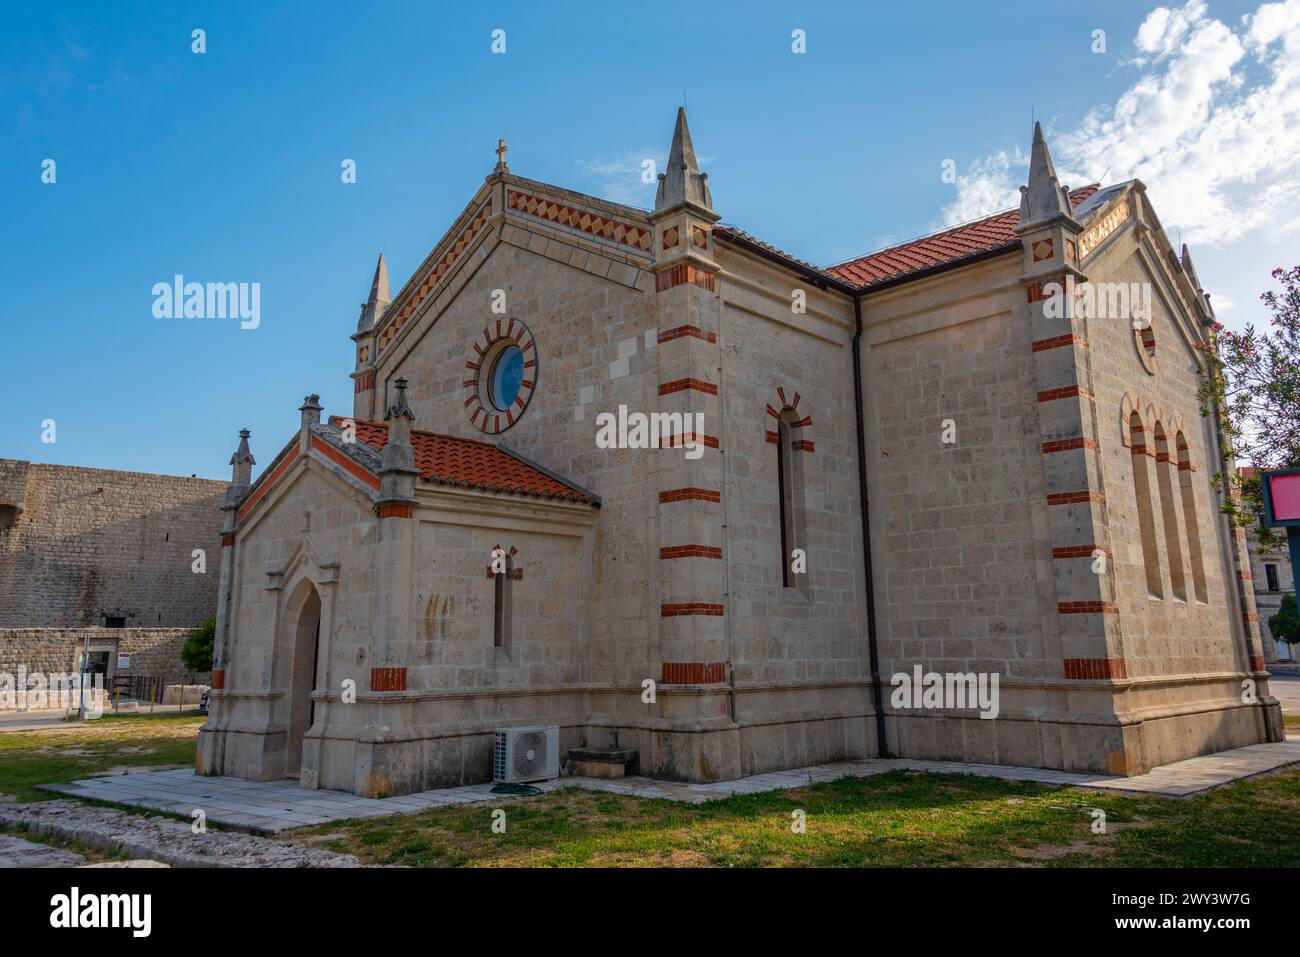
(504, 373)
(506, 377)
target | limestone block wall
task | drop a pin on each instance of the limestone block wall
(590, 314)
(91, 543)
(317, 518)
(959, 529)
(771, 358)
(1184, 627)
(153, 651)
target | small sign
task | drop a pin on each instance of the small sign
(1281, 497)
(123, 662)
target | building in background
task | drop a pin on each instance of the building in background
(119, 557)
(1272, 576)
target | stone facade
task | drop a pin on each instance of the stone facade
(346, 574)
(81, 546)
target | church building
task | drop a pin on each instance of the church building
(644, 473)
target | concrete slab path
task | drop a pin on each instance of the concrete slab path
(272, 806)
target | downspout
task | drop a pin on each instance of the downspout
(881, 747)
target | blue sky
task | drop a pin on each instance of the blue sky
(225, 166)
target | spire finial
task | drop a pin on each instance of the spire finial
(682, 182)
(398, 407)
(398, 458)
(310, 410)
(502, 149)
(1043, 199)
(373, 308)
(242, 462)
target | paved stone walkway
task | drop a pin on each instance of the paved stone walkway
(162, 839)
(1286, 688)
(16, 852)
(272, 806)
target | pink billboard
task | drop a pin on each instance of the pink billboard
(1285, 493)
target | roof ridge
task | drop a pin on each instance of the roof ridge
(946, 230)
(436, 435)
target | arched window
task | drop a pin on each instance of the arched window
(1146, 520)
(1190, 521)
(1166, 468)
(790, 492)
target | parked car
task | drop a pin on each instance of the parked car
(203, 702)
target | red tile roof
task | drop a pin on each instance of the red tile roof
(450, 460)
(993, 233)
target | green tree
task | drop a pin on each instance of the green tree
(1253, 379)
(1285, 625)
(196, 653)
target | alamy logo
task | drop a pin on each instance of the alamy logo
(72, 910)
(1098, 300)
(931, 691)
(653, 430)
(38, 690)
(215, 300)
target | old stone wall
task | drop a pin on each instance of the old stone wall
(93, 544)
(155, 652)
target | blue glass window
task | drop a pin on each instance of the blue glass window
(506, 377)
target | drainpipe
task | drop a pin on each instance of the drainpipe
(881, 747)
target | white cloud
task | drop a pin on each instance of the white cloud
(1211, 125)
(619, 179)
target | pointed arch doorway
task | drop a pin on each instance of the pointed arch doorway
(302, 680)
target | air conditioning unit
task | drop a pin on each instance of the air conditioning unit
(526, 754)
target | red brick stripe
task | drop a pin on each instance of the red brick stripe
(387, 679)
(1257, 663)
(394, 510)
(1067, 445)
(218, 679)
(678, 331)
(1077, 668)
(1073, 498)
(690, 608)
(802, 445)
(364, 382)
(681, 385)
(689, 495)
(1087, 608)
(1047, 395)
(227, 541)
(693, 672)
(1076, 551)
(1036, 291)
(1057, 342)
(345, 463)
(690, 551)
(674, 441)
(683, 273)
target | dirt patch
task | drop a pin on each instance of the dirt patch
(1050, 852)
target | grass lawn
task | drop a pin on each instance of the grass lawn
(1291, 722)
(66, 753)
(898, 819)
